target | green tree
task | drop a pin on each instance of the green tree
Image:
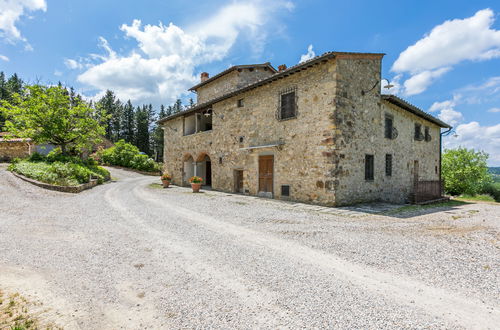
(46, 115)
(107, 107)
(128, 122)
(465, 171)
(142, 129)
(157, 140)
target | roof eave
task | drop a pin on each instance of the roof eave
(413, 109)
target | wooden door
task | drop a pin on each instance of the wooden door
(238, 178)
(266, 165)
(415, 171)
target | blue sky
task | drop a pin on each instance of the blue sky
(443, 56)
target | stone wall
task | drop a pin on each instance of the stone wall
(14, 149)
(300, 162)
(230, 82)
(321, 152)
(360, 123)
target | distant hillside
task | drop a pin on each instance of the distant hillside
(494, 170)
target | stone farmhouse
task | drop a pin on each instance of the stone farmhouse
(318, 132)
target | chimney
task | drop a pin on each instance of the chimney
(204, 76)
(282, 67)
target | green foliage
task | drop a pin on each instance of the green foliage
(494, 170)
(478, 197)
(59, 173)
(127, 155)
(52, 115)
(493, 189)
(464, 171)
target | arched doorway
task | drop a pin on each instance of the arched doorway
(188, 169)
(204, 169)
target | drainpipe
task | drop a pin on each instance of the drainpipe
(441, 154)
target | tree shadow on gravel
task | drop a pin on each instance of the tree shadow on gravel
(410, 211)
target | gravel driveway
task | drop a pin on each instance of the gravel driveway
(129, 255)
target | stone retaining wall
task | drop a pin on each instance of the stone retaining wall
(66, 189)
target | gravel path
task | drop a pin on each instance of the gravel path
(129, 255)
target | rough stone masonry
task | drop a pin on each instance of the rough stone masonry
(331, 151)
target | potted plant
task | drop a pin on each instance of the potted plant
(196, 182)
(165, 179)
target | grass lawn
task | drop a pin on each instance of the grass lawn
(476, 198)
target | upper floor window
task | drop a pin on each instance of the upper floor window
(418, 133)
(427, 134)
(240, 103)
(389, 127)
(288, 105)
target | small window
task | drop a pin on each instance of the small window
(241, 139)
(418, 132)
(427, 134)
(388, 165)
(220, 160)
(285, 190)
(369, 167)
(288, 106)
(388, 127)
(240, 103)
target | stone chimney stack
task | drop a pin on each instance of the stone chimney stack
(204, 76)
(282, 67)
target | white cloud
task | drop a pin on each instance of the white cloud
(58, 73)
(4, 58)
(11, 11)
(451, 117)
(309, 55)
(447, 112)
(420, 81)
(446, 45)
(163, 66)
(473, 135)
(72, 64)
(494, 110)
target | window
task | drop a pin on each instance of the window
(427, 134)
(285, 190)
(369, 167)
(288, 106)
(418, 132)
(240, 103)
(388, 127)
(388, 165)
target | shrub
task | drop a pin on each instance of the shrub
(59, 173)
(493, 189)
(126, 155)
(464, 171)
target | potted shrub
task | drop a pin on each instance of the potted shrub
(196, 182)
(165, 179)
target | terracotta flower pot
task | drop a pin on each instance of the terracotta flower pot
(166, 183)
(196, 187)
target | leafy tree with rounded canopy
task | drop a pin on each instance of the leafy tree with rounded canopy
(50, 115)
(464, 171)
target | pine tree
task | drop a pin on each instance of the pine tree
(177, 106)
(15, 84)
(158, 136)
(116, 121)
(128, 123)
(142, 129)
(106, 105)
